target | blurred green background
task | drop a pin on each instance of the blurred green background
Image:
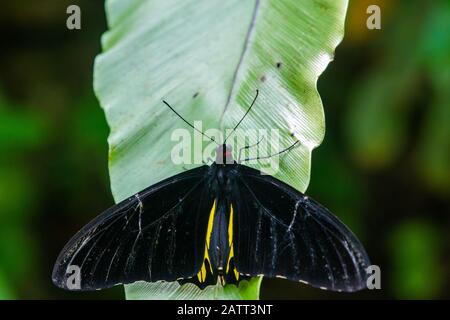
(383, 168)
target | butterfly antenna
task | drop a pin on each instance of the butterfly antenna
(275, 154)
(248, 110)
(189, 124)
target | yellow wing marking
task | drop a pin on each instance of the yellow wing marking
(230, 244)
(202, 273)
(210, 224)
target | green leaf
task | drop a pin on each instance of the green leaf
(247, 290)
(207, 58)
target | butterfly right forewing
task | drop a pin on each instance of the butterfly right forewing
(280, 232)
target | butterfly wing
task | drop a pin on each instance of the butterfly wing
(157, 234)
(280, 232)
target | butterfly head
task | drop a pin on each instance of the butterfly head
(224, 154)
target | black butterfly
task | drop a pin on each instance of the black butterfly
(220, 223)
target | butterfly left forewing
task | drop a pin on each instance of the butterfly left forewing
(157, 234)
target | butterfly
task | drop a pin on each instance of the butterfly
(219, 223)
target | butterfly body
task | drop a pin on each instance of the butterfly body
(219, 251)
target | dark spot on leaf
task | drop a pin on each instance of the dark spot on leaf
(263, 78)
(195, 95)
(321, 5)
(279, 64)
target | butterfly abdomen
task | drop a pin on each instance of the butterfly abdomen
(219, 246)
(218, 264)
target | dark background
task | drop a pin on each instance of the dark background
(383, 167)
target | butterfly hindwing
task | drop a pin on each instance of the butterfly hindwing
(280, 232)
(157, 234)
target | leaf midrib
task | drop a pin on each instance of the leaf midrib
(241, 58)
